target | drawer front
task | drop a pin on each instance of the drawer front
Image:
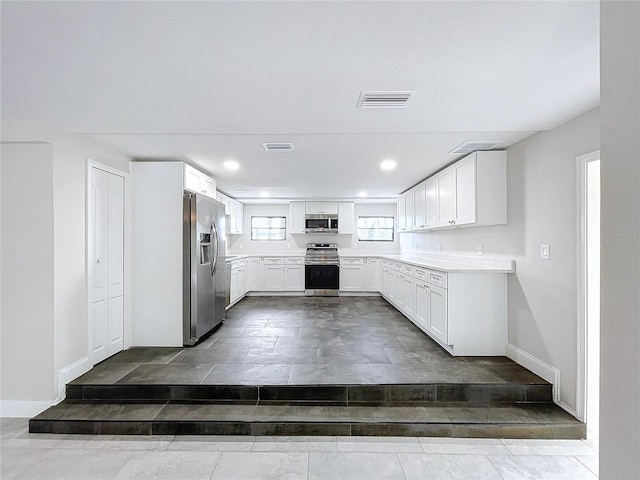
(273, 261)
(238, 263)
(352, 261)
(295, 261)
(408, 269)
(438, 278)
(421, 274)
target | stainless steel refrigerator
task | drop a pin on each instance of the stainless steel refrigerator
(204, 249)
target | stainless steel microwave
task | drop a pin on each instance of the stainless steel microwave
(321, 223)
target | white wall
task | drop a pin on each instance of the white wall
(296, 244)
(70, 154)
(542, 208)
(620, 231)
(26, 317)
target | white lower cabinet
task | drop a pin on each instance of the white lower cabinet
(431, 309)
(421, 313)
(255, 274)
(294, 274)
(408, 304)
(384, 278)
(464, 312)
(360, 274)
(238, 286)
(351, 274)
(438, 322)
(273, 275)
(372, 275)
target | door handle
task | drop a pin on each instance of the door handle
(216, 243)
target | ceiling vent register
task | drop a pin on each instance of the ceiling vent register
(474, 145)
(385, 99)
(278, 147)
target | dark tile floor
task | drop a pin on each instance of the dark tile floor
(307, 341)
(310, 366)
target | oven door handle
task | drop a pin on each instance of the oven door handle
(320, 264)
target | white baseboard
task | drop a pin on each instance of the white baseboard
(542, 369)
(568, 409)
(71, 372)
(24, 408)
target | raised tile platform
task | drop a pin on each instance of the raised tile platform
(310, 366)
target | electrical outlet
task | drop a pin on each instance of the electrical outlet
(545, 251)
(355, 245)
(479, 249)
(241, 246)
(288, 245)
(439, 247)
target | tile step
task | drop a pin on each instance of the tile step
(528, 420)
(424, 394)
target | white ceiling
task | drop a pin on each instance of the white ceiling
(209, 81)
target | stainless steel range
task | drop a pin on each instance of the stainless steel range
(322, 270)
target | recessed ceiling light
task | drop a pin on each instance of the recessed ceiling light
(362, 194)
(231, 165)
(264, 194)
(388, 165)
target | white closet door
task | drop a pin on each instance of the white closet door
(115, 326)
(106, 263)
(98, 228)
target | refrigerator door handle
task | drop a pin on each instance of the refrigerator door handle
(216, 244)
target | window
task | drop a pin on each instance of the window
(375, 229)
(268, 228)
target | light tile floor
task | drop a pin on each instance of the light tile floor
(63, 457)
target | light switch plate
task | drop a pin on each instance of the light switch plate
(544, 251)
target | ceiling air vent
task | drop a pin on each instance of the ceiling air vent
(474, 145)
(278, 147)
(384, 99)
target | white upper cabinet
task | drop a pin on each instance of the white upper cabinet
(456, 191)
(430, 203)
(198, 182)
(346, 220)
(424, 204)
(235, 209)
(296, 217)
(472, 191)
(322, 207)
(223, 199)
(408, 212)
(445, 196)
(402, 207)
(237, 217)
(419, 205)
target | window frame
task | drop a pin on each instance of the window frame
(270, 229)
(392, 228)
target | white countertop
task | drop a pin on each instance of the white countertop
(434, 261)
(458, 264)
